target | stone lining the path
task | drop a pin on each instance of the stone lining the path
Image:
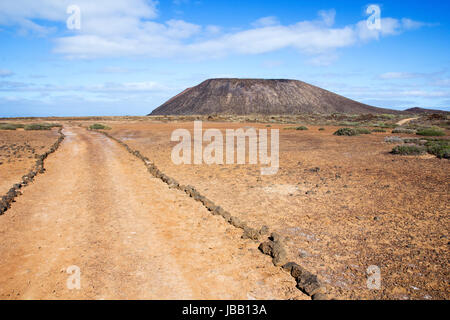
(307, 282)
(14, 192)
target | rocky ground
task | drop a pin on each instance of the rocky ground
(97, 207)
(18, 151)
(342, 203)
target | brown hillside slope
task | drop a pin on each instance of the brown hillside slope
(417, 110)
(259, 96)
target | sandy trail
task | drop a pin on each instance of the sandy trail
(132, 237)
(405, 121)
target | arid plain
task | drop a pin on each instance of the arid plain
(340, 204)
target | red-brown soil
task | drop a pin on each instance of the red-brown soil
(362, 207)
(341, 203)
(17, 153)
(97, 207)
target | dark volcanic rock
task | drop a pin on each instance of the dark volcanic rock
(259, 96)
(250, 233)
(417, 110)
(274, 249)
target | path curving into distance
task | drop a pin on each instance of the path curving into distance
(132, 237)
(405, 121)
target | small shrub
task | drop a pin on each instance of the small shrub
(393, 140)
(7, 126)
(41, 126)
(388, 116)
(409, 150)
(440, 148)
(431, 132)
(321, 129)
(346, 132)
(415, 141)
(36, 126)
(404, 130)
(53, 125)
(296, 128)
(10, 126)
(349, 123)
(363, 131)
(98, 126)
(378, 130)
(383, 125)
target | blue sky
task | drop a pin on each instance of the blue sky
(130, 56)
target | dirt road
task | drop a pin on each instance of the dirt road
(131, 236)
(405, 121)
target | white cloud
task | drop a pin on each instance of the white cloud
(125, 28)
(389, 27)
(100, 17)
(423, 93)
(376, 93)
(5, 73)
(213, 30)
(266, 22)
(442, 82)
(409, 24)
(323, 59)
(328, 16)
(111, 87)
(398, 75)
(431, 76)
(145, 86)
(180, 29)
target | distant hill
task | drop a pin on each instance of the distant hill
(258, 96)
(422, 110)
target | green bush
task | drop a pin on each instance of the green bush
(297, 128)
(363, 131)
(349, 123)
(8, 126)
(440, 148)
(394, 140)
(378, 130)
(41, 126)
(383, 125)
(388, 116)
(36, 126)
(346, 132)
(404, 130)
(413, 140)
(409, 149)
(98, 126)
(431, 132)
(53, 125)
